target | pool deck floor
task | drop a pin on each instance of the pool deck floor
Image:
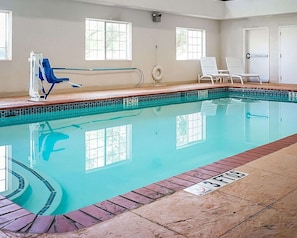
(262, 204)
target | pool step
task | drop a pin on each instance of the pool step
(16, 186)
(26, 182)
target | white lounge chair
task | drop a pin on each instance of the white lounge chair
(236, 70)
(210, 71)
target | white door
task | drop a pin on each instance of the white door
(288, 52)
(257, 52)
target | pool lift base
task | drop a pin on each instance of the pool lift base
(37, 99)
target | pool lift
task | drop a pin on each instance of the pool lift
(40, 71)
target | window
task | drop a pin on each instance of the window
(107, 146)
(190, 43)
(190, 129)
(5, 35)
(108, 40)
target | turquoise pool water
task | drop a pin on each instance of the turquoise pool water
(56, 166)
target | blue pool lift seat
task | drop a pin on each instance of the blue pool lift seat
(47, 73)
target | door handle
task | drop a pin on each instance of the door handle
(249, 55)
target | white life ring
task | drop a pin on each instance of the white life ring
(157, 73)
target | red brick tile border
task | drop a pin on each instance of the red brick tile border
(16, 219)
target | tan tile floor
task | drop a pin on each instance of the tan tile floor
(263, 204)
(77, 95)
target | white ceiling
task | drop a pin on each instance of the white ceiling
(213, 9)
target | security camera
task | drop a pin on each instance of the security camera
(156, 16)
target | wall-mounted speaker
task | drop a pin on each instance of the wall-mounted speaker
(156, 16)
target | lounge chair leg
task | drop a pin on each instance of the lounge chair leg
(260, 80)
(241, 80)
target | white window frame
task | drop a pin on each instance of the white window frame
(5, 35)
(107, 146)
(190, 129)
(102, 48)
(192, 47)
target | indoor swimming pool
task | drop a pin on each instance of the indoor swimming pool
(55, 166)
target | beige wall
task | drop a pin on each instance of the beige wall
(56, 28)
(232, 37)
